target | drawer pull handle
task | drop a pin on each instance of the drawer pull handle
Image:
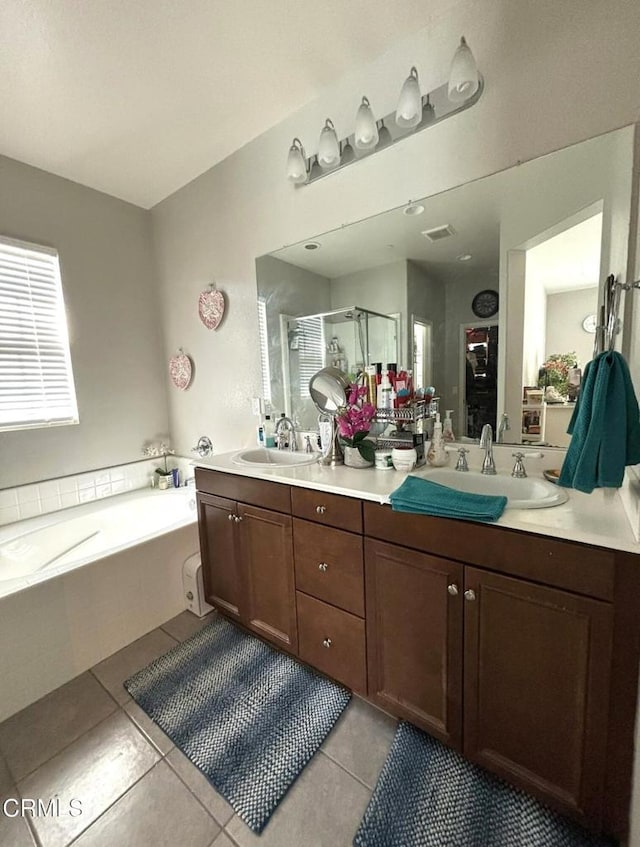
(453, 589)
(231, 517)
(323, 566)
(321, 509)
(326, 643)
(469, 594)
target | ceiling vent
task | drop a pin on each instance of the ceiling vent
(439, 232)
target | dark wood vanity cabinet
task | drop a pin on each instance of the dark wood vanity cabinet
(247, 558)
(414, 633)
(519, 650)
(536, 688)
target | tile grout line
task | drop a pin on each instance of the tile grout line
(346, 769)
(222, 826)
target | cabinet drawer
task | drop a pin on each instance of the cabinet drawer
(257, 492)
(332, 641)
(328, 509)
(329, 565)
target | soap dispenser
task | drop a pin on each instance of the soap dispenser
(437, 455)
(447, 429)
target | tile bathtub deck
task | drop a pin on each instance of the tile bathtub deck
(89, 740)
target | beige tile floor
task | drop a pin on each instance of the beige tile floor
(90, 741)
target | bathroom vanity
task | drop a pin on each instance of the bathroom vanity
(517, 648)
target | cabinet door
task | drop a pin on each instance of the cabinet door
(218, 546)
(536, 688)
(414, 637)
(266, 545)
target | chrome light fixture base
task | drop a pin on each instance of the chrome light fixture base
(437, 107)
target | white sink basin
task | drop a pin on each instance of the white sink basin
(263, 457)
(528, 493)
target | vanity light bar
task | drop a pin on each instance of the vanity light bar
(438, 105)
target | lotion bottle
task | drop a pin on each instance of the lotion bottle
(437, 455)
(447, 429)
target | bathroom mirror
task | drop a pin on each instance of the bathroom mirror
(487, 282)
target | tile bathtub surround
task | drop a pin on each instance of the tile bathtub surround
(136, 789)
(29, 501)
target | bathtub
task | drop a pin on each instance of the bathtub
(80, 584)
(40, 548)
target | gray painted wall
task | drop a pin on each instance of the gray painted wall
(112, 308)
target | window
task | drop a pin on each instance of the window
(311, 346)
(36, 380)
(264, 349)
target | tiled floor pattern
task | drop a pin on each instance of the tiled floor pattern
(89, 740)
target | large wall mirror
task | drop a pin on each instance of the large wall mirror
(483, 287)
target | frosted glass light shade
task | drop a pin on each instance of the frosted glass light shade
(409, 111)
(328, 147)
(463, 78)
(296, 163)
(366, 132)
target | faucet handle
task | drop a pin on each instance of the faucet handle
(204, 447)
(519, 471)
(462, 464)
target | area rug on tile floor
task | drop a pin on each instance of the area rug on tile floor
(427, 795)
(248, 717)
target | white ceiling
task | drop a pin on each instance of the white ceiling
(569, 260)
(138, 97)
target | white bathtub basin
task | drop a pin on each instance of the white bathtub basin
(528, 493)
(263, 457)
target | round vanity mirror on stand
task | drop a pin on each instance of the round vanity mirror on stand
(328, 389)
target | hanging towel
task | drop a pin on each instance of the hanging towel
(423, 497)
(604, 427)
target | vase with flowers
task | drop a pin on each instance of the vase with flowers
(354, 422)
(554, 375)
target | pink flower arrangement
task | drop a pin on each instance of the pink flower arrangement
(354, 421)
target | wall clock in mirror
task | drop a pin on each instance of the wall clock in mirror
(485, 303)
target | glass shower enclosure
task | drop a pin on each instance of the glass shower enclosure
(347, 338)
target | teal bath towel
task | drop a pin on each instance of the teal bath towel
(604, 427)
(423, 497)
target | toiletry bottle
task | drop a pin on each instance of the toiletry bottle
(384, 392)
(447, 428)
(437, 455)
(269, 432)
(372, 385)
(260, 435)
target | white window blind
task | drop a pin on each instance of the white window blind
(36, 380)
(264, 350)
(311, 347)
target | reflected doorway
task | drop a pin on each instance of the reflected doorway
(479, 402)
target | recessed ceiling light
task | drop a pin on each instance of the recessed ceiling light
(312, 245)
(464, 257)
(413, 209)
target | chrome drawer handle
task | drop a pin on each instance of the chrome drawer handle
(238, 518)
(469, 594)
(326, 643)
(321, 509)
(323, 566)
(452, 589)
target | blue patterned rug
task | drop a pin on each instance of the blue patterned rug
(248, 717)
(427, 795)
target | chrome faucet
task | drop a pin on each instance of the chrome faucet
(486, 442)
(503, 427)
(285, 434)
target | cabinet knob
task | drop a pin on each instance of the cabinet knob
(321, 509)
(323, 566)
(469, 594)
(326, 643)
(230, 517)
(238, 518)
(452, 589)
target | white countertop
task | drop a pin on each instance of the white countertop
(598, 518)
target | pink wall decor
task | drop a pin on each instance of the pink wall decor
(181, 370)
(211, 307)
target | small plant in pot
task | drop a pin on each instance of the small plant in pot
(354, 422)
(163, 474)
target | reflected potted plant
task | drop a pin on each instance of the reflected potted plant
(354, 423)
(164, 474)
(554, 374)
